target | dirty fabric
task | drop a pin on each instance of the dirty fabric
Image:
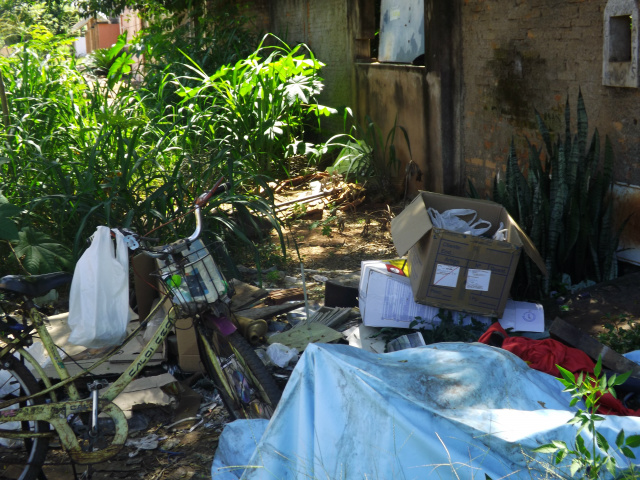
(545, 354)
(449, 410)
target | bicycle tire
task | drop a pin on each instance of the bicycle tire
(16, 380)
(246, 387)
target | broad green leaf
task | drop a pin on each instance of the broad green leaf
(602, 442)
(610, 465)
(598, 368)
(575, 467)
(621, 378)
(627, 452)
(566, 374)
(632, 441)
(620, 439)
(39, 253)
(548, 448)
(560, 456)
(8, 210)
(8, 229)
(118, 46)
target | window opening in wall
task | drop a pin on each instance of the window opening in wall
(402, 31)
(620, 38)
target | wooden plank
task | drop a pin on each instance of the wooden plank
(268, 312)
(245, 295)
(574, 337)
(278, 297)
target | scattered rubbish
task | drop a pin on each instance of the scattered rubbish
(386, 300)
(457, 271)
(145, 391)
(281, 355)
(254, 330)
(149, 442)
(331, 317)
(245, 295)
(320, 278)
(411, 340)
(445, 405)
(269, 311)
(181, 421)
(365, 338)
(305, 333)
(570, 335)
(461, 220)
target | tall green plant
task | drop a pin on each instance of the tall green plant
(562, 200)
(79, 154)
(256, 108)
(592, 458)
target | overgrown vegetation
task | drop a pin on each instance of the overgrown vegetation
(621, 336)
(75, 153)
(562, 201)
(17, 16)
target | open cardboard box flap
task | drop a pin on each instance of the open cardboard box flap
(414, 222)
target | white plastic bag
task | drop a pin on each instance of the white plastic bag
(454, 220)
(99, 297)
(281, 355)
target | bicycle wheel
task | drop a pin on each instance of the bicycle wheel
(247, 388)
(21, 463)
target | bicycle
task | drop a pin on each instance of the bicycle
(34, 409)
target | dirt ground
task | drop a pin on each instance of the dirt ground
(361, 234)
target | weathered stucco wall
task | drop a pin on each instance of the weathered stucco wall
(391, 94)
(521, 55)
(323, 27)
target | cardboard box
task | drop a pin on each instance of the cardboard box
(188, 353)
(457, 271)
(386, 300)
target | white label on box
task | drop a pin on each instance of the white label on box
(395, 13)
(446, 275)
(478, 279)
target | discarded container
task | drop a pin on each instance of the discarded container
(386, 300)
(412, 340)
(458, 271)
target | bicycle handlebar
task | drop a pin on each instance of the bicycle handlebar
(200, 202)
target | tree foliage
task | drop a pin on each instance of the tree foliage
(17, 16)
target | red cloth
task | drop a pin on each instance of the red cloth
(545, 354)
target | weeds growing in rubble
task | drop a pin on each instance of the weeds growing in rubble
(621, 339)
(593, 458)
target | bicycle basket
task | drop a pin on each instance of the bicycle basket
(192, 279)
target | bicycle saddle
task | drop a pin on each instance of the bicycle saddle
(34, 285)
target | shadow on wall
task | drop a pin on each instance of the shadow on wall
(520, 82)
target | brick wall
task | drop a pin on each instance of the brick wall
(521, 55)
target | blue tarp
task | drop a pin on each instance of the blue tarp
(448, 410)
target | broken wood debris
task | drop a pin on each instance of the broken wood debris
(278, 297)
(339, 194)
(270, 311)
(574, 337)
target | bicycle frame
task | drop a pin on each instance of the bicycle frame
(57, 413)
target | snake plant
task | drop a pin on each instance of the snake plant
(562, 200)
